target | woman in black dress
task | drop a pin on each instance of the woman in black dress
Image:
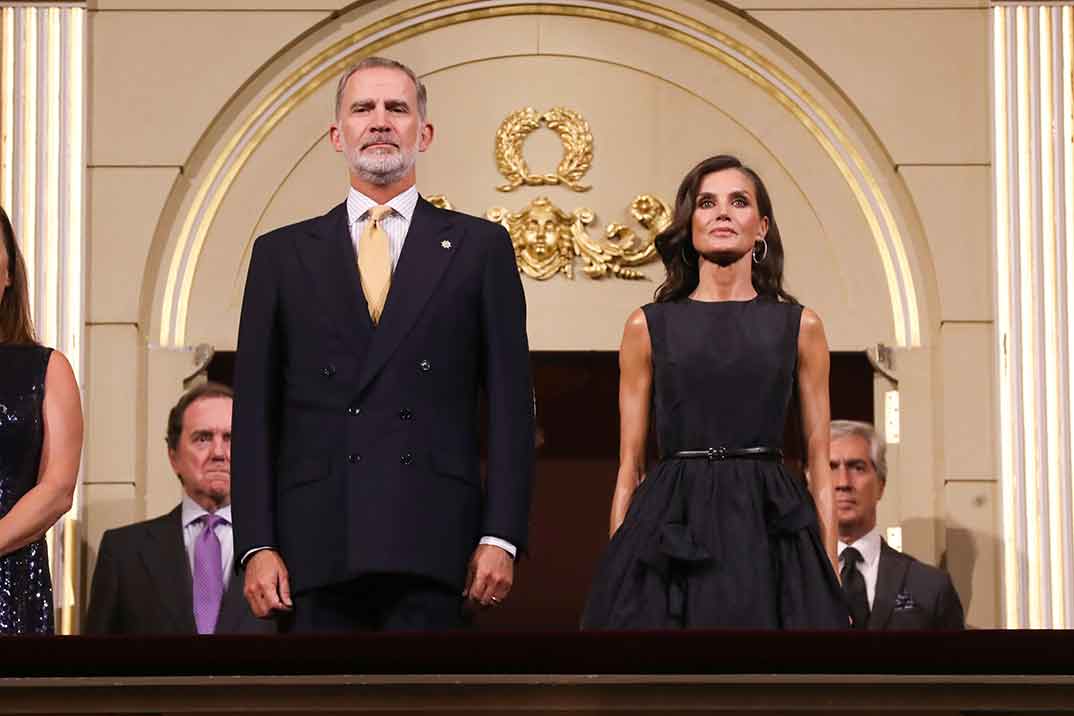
(721, 534)
(40, 444)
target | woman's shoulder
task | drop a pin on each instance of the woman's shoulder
(25, 363)
(26, 352)
(659, 308)
(772, 304)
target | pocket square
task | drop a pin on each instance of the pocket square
(905, 601)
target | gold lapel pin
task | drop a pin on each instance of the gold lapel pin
(446, 244)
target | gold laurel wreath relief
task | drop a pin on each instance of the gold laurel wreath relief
(574, 133)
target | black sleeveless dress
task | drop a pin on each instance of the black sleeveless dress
(25, 587)
(728, 543)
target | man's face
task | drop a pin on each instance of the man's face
(857, 487)
(202, 460)
(378, 128)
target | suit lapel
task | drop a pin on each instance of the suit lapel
(420, 267)
(166, 561)
(329, 258)
(890, 573)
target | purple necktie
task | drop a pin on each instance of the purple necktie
(208, 575)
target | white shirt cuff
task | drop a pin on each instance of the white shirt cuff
(250, 552)
(502, 544)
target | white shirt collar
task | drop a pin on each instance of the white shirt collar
(868, 546)
(192, 511)
(403, 204)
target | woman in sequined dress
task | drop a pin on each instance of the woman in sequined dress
(40, 445)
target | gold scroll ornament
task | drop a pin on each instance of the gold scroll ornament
(547, 239)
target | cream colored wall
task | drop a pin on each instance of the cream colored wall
(911, 81)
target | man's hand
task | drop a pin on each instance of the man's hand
(267, 588)
(490, 576)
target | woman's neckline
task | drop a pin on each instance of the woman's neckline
(725, 300)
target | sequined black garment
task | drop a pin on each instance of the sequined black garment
(25, 586)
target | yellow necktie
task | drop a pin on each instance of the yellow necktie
(375, 262)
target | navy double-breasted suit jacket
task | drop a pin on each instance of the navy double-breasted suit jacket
(355, 448)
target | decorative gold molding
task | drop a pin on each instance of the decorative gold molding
(546, 239)
(440, 201)
(573, 132)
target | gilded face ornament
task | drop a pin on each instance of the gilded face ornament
(543, 236)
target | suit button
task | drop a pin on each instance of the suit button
(354, 458)
(328, 371)
(405, 414)
(354, 410)
(406, 459)
(425, 366)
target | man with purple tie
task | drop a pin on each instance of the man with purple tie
(171, 575)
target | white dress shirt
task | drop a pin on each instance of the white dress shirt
(192, 527)
(869, 547)
(395, 225)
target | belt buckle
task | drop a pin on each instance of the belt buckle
(719, 453)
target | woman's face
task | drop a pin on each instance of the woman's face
(726, 219)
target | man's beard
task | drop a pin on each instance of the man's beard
(381, 168)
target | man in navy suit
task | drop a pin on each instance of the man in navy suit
(885, 588)
(366, 338)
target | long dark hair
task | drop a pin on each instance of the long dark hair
(676, 243)
(16, 325)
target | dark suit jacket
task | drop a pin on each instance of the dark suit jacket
(355, 448)
(913, 595)
(142, 585)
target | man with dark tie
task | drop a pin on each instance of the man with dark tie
(172, 574)
(885, 588)
(366, 338)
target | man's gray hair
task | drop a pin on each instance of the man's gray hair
(877, 447)
(371, 62)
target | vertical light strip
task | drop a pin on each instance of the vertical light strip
(1066, 81)
(50, 97)
(1003, 339)
(7, 107)
(73, 253)
(1050, 332)
(76, 102)
(1026, 230)
(27, 228)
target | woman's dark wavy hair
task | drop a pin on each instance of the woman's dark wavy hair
(676, 245)
(16, 326)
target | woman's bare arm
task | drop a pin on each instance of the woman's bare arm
(635, 389)
(813, 367)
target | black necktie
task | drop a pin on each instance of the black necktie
(854, 587)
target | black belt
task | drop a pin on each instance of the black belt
(724, 453)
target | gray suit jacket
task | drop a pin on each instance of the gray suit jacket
(142, 585)
(913, 595)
